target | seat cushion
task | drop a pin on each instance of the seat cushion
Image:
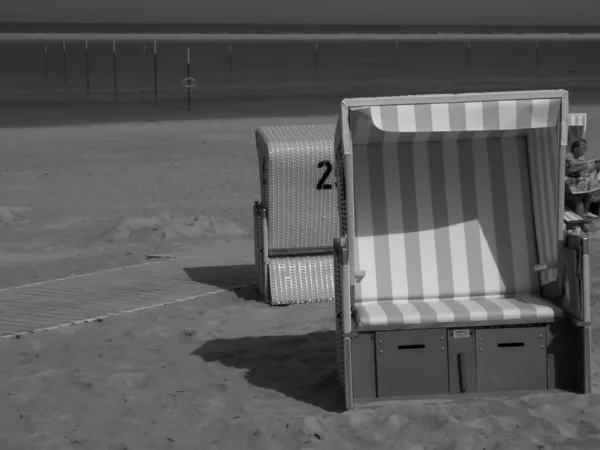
(525, 307)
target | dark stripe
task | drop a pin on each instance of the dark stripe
(491, 115)
(389, 117)
(461, 312)
(393, 313)
(408, 194)
(471, 217)
(524, 113)
(458, 117)
(553, 118)
(528, 202)
(439, 205)
(499, 177)
(427, 313)
(542, 146)
(381, 240)
(494, 312)
(423, 118)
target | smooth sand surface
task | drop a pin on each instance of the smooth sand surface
(85, 187)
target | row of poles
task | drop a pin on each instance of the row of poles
(114, 67)
(188, 69)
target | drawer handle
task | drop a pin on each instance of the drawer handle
(411, 347)
(512, 344)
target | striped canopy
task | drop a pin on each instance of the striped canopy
(537, 119)
(445, 121)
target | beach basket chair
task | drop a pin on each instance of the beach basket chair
(577, 129)
(296, 219)
(453, 271)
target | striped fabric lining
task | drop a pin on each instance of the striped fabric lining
(368, 124)
(446, 219)
(544, 168)
(521, 307)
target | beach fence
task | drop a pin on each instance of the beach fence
(181, 67)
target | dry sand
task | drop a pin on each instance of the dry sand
(84, 188)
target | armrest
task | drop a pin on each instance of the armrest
(576, 292)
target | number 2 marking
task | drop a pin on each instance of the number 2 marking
(321, 184)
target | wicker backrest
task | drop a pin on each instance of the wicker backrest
(297, 171)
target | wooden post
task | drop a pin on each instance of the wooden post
(537, 61)
(230, 60)
(155, 75)
(46, 60)
(468, 54)
(65, 62)
(87, 68)
(189, 74)
(316, 59)
(115, 67)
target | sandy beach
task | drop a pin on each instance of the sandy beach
(92, 184)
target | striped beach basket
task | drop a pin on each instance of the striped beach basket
(453, 273)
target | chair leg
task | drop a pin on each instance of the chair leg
(348, 374)
(584, 365)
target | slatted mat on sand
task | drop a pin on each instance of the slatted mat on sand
(87, 297)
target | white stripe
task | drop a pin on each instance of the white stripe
(393, 201)
(365, 257)
(456, 227)
(428, 257)
(516, 216)
(376, 117)
(508, 114)
(474, 116)
(487, 230)
(407, 121)
(440, 116)
(540, 117)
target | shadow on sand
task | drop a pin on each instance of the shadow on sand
(224, 277)
(302, 367)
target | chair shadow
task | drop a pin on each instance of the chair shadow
(302, 367)
(224, 277)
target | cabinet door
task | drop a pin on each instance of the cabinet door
(511, 359)
(411, 362)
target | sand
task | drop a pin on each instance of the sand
(90, 186)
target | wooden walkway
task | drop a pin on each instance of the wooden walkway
(83, 298)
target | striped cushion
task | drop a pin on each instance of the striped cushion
(443, 220)
(403, 312)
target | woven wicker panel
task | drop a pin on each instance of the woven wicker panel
(339, 315)
(297, 160)
(259, 257)
(341, 184)
(301, 279)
